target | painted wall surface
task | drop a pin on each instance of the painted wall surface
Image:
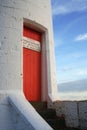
(12, 15)
(17, 114)
(68, 110)
(27, 117)
(74, 112)
(82, 105)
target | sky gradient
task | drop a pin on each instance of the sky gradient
(70, 39)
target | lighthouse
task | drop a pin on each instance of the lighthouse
(27, 62)
(27, 49)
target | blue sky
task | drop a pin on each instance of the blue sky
(70, 38)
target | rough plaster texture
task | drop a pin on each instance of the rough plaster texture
(74, 112)
(25, 112)
(36, 13)
(17, 114)
(82, 108)
(68, 110)
(6, 122)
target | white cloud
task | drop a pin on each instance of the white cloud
(60, 10)
(62, 7)
(82, 72)
(74, 96)
(81, 37)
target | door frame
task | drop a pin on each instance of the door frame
(44, 41)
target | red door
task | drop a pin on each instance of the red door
(32, 68)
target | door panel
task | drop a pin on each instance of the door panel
(27, 32)
(32, 69)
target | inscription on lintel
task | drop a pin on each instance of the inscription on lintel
(31, 44)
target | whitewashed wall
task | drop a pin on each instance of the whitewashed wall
(12, 13)
(82, 105)
(74, 112)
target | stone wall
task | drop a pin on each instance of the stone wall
(82, 114)
(74, 112)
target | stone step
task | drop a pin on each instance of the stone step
(49, 115)
(39, 106)
(56, 123)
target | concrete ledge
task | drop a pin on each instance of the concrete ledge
(28, 113)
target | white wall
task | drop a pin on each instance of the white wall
(12, 14)
(18, 114)
(74, 112)
(82, 105)
(27, 117)
(68, 110)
